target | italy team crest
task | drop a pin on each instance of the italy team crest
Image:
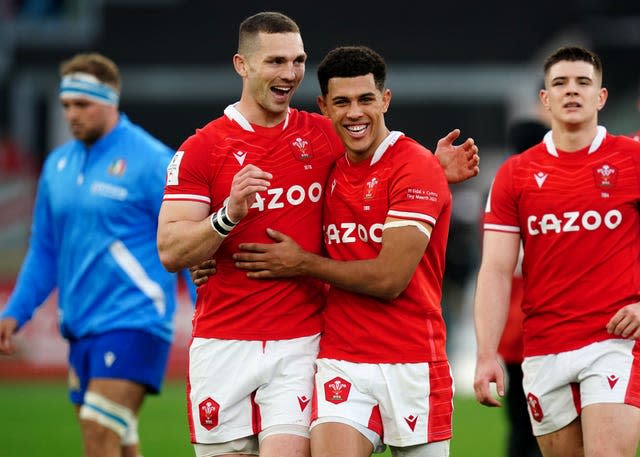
(605, 176)
(117, 167)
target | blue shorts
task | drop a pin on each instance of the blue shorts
(121, 354)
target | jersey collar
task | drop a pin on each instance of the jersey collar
(390, 140)
(232, 113)
(597, 141)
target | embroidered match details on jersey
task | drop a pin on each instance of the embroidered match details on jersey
(580, 207)
(422, 194)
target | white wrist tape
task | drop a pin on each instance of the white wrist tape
(221, 222)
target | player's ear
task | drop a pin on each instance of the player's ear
(240, 64)
(386, 99)
(544, 98)
(322, 104)
(602, 97)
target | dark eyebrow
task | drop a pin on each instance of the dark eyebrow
(339, 98)
(359, 97)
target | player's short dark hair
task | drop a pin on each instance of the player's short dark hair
(351, 61)
(265, 22)
(94, 64)
(573, 54)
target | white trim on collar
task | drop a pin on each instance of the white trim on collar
(232, 113)
(595, 144)
(390, 140)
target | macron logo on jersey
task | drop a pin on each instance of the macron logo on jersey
(240, 156)
(540, 178)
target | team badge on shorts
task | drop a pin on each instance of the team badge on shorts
(209, 409)
(337, 390)
(605, 176)
(534, 407)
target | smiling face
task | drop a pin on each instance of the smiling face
(573, 93)
(272, 69)
(356, 108)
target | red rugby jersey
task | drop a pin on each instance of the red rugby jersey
(577, 214)
(405, 181)
(299, 153)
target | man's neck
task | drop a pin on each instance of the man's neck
(570, 138)
(257, 115)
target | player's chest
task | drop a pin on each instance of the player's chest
(600, 195)
(305, 153)
(362, 194)
(81, 184)
(604, 183)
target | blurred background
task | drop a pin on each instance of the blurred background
(471, 65)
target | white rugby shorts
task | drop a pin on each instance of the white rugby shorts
(237, 388)
(404, 404)
(558, 386)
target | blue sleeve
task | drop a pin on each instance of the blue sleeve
(156, 195)
(158, 177)
(37, 276)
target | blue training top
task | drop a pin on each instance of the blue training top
(94, 237)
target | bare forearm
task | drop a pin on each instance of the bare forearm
(182, 244)
(491, 309)
(367, 277)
